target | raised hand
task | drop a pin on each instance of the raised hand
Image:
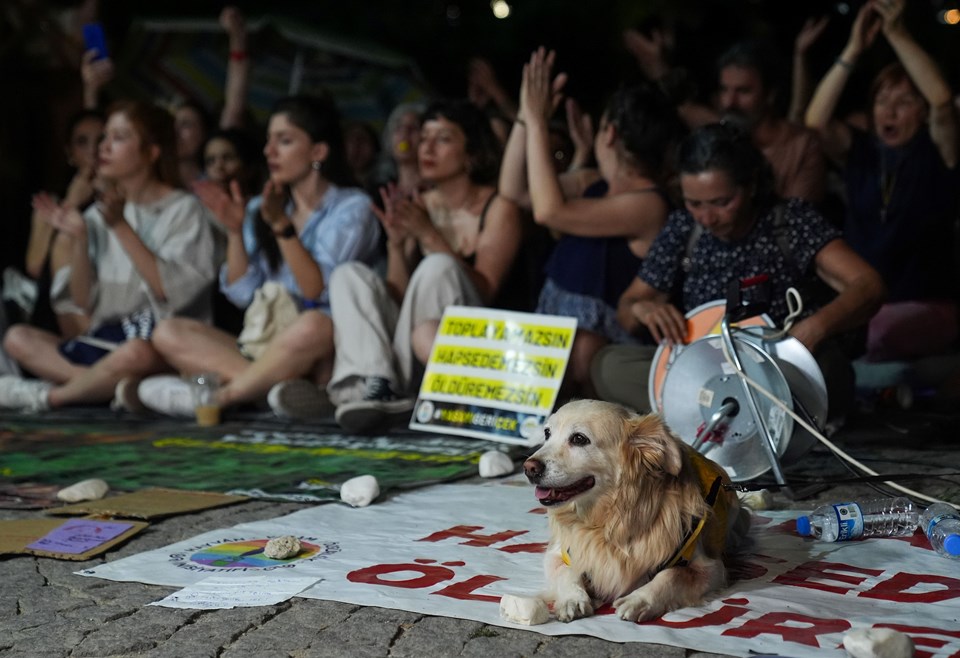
(390, 195)
(864, 30)
(272, 209)
(891, 14)
(70, 222)
(81, 190)
(95, 75)
(483, 85)
(231, 20)
(580, 127)
(809, 33)
(539, 94)
(227, 205)
(411, 216)
(43, 205)
(650, 52)
(63, 218)
(111, 205)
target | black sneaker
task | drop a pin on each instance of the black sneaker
(378, 406)
(299, 399)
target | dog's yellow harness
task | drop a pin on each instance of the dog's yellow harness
(711, 485)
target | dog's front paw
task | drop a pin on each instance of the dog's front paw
(573, 608)
(638, 606)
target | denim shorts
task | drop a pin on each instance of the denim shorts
(88, 349)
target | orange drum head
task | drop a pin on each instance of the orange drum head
(702, 321)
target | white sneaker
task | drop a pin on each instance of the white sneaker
(24, 394)
(168, 395)
(299, 399)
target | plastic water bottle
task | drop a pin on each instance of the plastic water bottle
(941, 523)
(884, 517)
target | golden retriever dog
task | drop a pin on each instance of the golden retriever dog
(637, 517)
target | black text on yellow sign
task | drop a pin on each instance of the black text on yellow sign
(516, 333)
(489, 389)
(504, 361)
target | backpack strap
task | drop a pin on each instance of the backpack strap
(686, 263)
(780, 237)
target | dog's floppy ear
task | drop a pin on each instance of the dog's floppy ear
(656, 448)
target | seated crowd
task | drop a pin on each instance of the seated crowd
(310, 274)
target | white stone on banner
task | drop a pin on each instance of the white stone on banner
(360, 491)
(494, 463)
(524, 610)
(878, 643)
(281, 548)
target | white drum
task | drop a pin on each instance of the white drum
(700, 381)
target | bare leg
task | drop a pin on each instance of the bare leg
(191, 346)
(38, 351)
(586, 344)
(72, 324)
(294, 352)
(97, 383)
(422, 339)
(323, 372)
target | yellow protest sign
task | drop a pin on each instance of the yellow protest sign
(494, 374)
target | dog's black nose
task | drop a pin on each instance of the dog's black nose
(533, 469)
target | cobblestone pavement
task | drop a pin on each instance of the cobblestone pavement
(47, 612)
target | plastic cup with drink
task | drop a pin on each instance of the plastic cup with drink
(205, 387)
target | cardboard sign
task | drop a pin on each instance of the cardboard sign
(155, 503)
(65, 539)
(493, 374)
(79, 536)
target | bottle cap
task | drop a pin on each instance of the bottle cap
(803, 526)
(951, 544)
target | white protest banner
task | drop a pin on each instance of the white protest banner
(453, 550)
(493, 374)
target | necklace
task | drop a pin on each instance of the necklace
(887, 185)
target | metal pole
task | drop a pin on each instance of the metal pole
(724, 411)
(768, 444)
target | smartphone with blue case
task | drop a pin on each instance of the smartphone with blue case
(93, 39)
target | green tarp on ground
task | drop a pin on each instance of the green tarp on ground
(258, 458)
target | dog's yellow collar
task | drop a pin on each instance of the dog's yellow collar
(565, 556)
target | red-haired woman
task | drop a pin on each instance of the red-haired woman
(142, 252)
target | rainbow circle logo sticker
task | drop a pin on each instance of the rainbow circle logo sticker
(248, 555)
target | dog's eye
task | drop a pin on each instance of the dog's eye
(546, 433)
(578, 439)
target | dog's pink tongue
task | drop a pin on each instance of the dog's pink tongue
(552, 496)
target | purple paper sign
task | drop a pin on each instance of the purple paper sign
(79, 536)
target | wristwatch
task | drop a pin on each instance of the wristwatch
(288, 232)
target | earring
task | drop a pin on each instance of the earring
(316, 165)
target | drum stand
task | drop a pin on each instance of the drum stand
(770, 447)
